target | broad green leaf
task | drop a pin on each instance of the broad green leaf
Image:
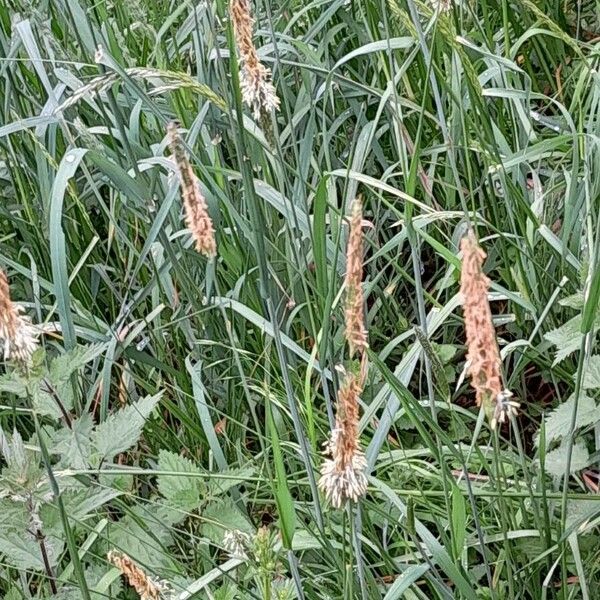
(22, 550)
(144, 537)
(556, 460)
(182, 490)
(62, 368)
(73, 444)
(122, 429)
(591, 375)
(221, 516)
(86, 501)
(566, 338)
(225, 480)
(558, 421)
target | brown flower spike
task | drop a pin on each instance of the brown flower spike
(144, 585)
(343, 476)
(197, 218)
(483, 357)
(255, 79)
(356, 333)
(18, 336)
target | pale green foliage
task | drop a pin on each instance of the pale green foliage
(220, 516)
(558, 422)
(556, 460)
(184, 489)
(122, 429)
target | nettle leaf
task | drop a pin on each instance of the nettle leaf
(556, 460)
(22, 471)
(591, 375)
(14, 383)
(144, 537)
(73, 445)
(122, 430)
(576, 301)
(60, 372)
(182, 491)
(225, 480)
(566, 338)
(86, 501)
(23, 550)
(580, 512)
(558, 422)
(220, 516)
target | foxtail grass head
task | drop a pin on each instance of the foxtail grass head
(197, 219)
(356, 333)
(483, 357)
(344, 474)
(18, 336)
(257, 88)
(144, 585)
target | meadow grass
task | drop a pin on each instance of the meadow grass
(173, 419)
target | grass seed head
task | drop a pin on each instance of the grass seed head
(144, 585)
(483, 356)
(344, 475)
(258, 91)
(18, 335)
(197, 218)
(356, 333)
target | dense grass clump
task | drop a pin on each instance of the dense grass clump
(231, 234)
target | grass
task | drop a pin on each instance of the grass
(485, 116)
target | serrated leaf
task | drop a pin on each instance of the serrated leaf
(225, 480)
(556, 460)
(566, 338)
(579, 512)
(574, 301)
(122, 430)
(23, 551)
(221, 516)
(558, 422)
(591, 375)
(22, 471)
(73, 444)
(86, 501)
(60, 372)
(13, 594)
(145, 538)
(63, 366)
(13, 383)
(182, 491)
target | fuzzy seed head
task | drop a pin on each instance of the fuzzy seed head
(197, 218)
(144, 585)
(236, 544)
(344, 475)
(356, 333)
(18, 336)
(258, 91)
(483, 356)
(505, 408)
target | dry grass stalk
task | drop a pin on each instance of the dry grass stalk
(258, 91)
(356, 333)
(344, 475)
(197, 218)
(483, 357)
(18, 335)
(144, 585)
